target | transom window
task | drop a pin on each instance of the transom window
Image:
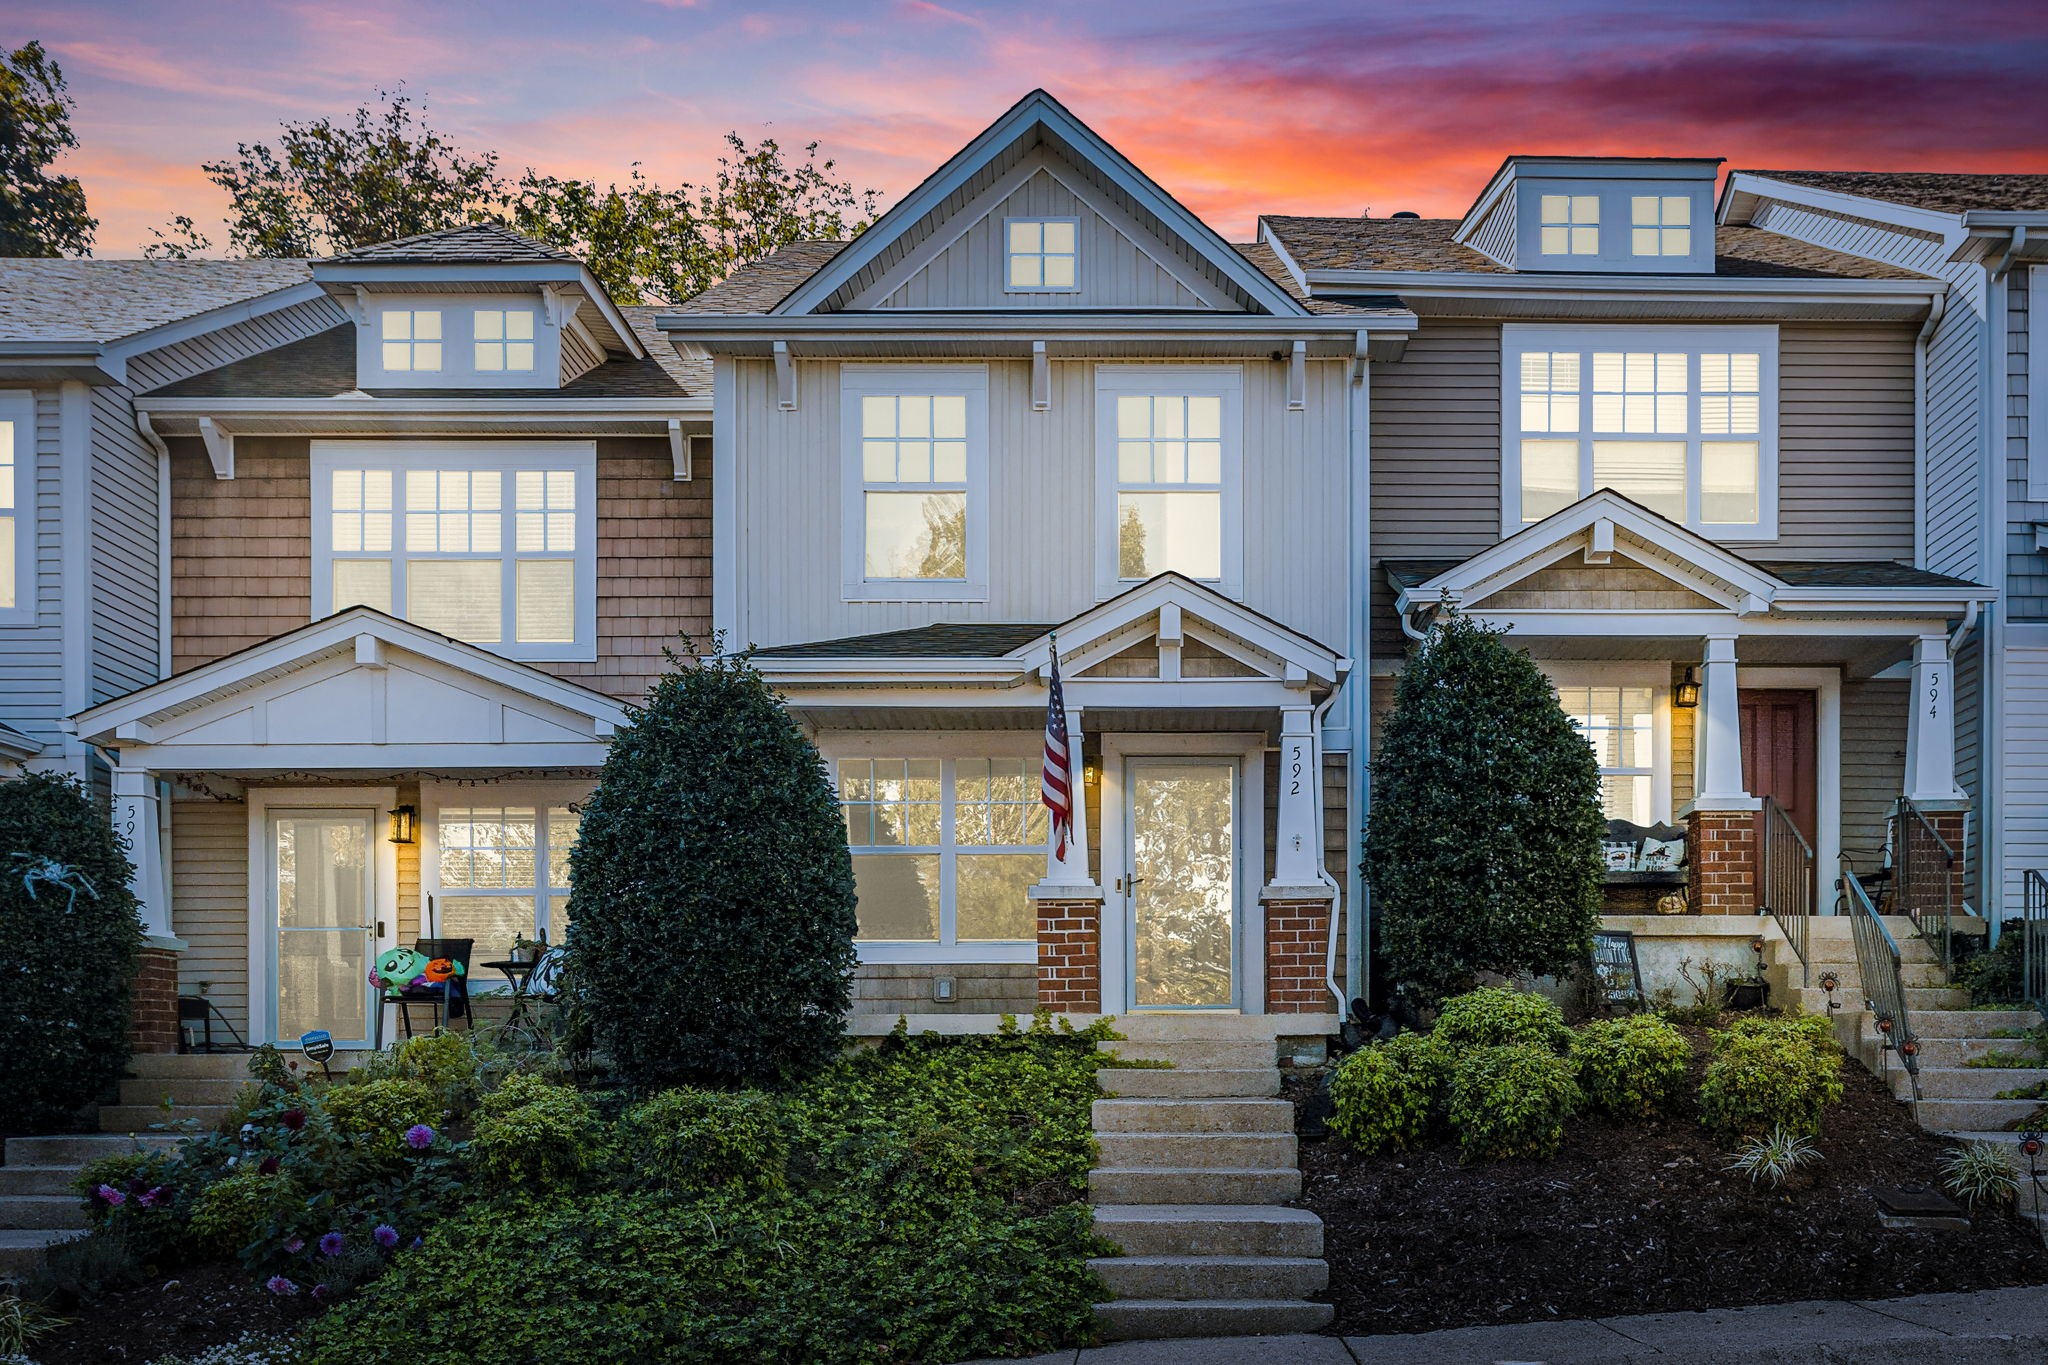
(491, 545)
(945, 850)
(1168, 461)
(1570, 224)
(916, 474)
(1660, 225)
(411, 338)
(17, 486)
(504, 874)
(1681, 420)
(1043, 254)
(504, 339)
(1620, 725)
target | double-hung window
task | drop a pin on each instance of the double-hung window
(489, 544)
(17, 507)
(945, 851)
(500, 864)
(1168, 460)
(1620, 725)
(1680, 419)
(916, 479)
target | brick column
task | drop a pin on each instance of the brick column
(1948, 823)
(1070, 956)
(153, 997)
(1721, 856)
(1297, 948)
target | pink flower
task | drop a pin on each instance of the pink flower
(294, 1245)
(419, 1137)
(267, 1166)
(332, 1243)
(112, 1197)
(153, 1196)
(386, 1236)
(280, 1286)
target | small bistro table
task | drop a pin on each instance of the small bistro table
(516, 975)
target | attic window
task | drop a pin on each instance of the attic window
(412, 338)
(1571, 224)
(1660, 225)
(1042, 255)
(504, 339)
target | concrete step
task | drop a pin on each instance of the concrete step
(47, 1211)
(75, 1149)
(152, 1090)
(37, 1179)
(1193, 1116)
(1955, 1023)
(1919, 998)
(1974, 1115)
(1967, 1082)
(1244, 1151)
(191, 1066)
(1210, 1229)
(1167, 1025)
(1212, 1277)
(1146, 1319)
(1957, 1051)
(183, 1120)
(1193, 1185)
(1203, 1054)
(1156, 1083)
(21, 1249)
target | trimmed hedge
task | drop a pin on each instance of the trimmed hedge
(1386, 1096)
(1633, 1067)
(1512, 1101)
(1767, 1074)
(1500, 1016)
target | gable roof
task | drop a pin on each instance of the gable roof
(1935, 191)
(72, 301)
(758, 286)
(474, 244)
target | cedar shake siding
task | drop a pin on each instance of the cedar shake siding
(242, 564)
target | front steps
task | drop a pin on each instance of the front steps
(1196, 1165)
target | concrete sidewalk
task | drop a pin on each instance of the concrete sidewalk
(1989, 1327)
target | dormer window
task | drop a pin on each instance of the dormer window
(1660, 225)
(412, 339)
(1571, 225)
(504, 339)
(1043, 255)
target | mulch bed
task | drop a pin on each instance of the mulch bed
(1641, 1218)
(199, 1307)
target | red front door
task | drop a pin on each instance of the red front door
(1780, 752)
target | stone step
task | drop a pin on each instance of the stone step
(1204, 1054)
(1147, 1319)
(1969, 1023)
(1210, 1229)
(1212, 1277)
(1157, 1083)
(1930, 998)
(1966, 1082)
(37, 1180)
(21, 1249)
(1166, 1025)
(153, 1090)
(48, 1211)
(75, 1149)
(183, 1120)
(1193, 1116)
(1974, 1115)
(1193, 1185)
(1956, 1051)
(191, 1066)
(1244, 1151)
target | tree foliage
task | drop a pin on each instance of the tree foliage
(40, 214)
(712, 921)
(1483, 850)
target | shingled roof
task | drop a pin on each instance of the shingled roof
(476, 244)
(943, 640)
(759, 285)
(1941, 192)
(67, 301)
(1797, 573)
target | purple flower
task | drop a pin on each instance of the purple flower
(280, 1286)
(112, 1197)
(419, 1137)
(332, 1243)
(293, 1119)
(386, 1236)
(417, 1243)
(320, 1293)
(153, 1196)
(294, 1245)
(267, 1166)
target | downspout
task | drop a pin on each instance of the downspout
(1920, 344)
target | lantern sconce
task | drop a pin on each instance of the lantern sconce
(1686, 692)
(404, 820)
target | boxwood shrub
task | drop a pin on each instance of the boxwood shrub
(704, 1138)
(1387, 1096)
(1633, 1067)
(533, 1136)
(1512, 1101)
(1766, 1074)
(1498, 1016)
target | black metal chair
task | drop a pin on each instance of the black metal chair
(448, 1000)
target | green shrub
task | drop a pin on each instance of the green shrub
(533, 1137)
(235, 1213)
(1816, 1031)
(1500, 1016)
(1387, 1095)
(1769, 1077)
(1512, 1101)
(1995, 975)
(1483, 850)
(713, 911)
(69, 924)
(1633, 1067)
(695, 1139)
(375, 1114)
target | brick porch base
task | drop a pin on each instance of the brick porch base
(1070, 956)
(1722, 849)
(153, 996)
(1297, 945)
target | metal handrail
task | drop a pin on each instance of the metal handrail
(1786, 881)
(1877, 961)
(1924, 884)
(2034, 924)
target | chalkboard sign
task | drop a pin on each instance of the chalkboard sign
(1614, 967)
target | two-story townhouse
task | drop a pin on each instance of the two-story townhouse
(1039, 406)
(414, 560)
(1683, 462)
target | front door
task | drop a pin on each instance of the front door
(1182, 889)
(324, 920)
(1780, 752)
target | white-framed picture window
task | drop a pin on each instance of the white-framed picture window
(497, 864)
(1619, 723)
(1569, 224)
(946, 845)
(503, 340)
(17, 507)
(411, 339)
(1169, 462)
(916, 514)
(1680, 419)
(1660, 225)
(492, 544)
(1041, 255)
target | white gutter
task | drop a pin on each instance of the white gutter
(1042, 326)
(366, 405)
(1646, 288)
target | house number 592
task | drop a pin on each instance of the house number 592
(1294, 769)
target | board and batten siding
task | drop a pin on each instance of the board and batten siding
(789, 583)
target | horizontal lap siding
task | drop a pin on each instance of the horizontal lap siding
(1845, 441)
(889, 989)
(210, 902)
(32, 657)
(124, 549)
(1873, 766)
(2026, 770)
(2026, 571)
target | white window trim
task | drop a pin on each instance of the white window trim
(1009, 288)
(434, 796)
(1655, 676)
(458, 343)
(1518, 338)
(508, 457)
(998, 744)
(19, 406)
(1221, 381)
(863, 381)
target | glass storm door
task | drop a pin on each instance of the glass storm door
(1182, 887)
(323, 896)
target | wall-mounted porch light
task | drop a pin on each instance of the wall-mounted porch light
(403, 820)
(1687, 692)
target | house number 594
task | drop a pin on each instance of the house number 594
(1933, 695)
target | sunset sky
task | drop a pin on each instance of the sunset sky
(1239, 108)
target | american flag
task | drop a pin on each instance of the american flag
(1056, 788)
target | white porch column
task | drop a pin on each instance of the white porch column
(1931, 726)
(1069, 875)
(135, 817)
(1298, 855)
(1719, 785)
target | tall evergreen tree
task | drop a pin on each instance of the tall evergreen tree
(40, 214)
(1483, 848)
